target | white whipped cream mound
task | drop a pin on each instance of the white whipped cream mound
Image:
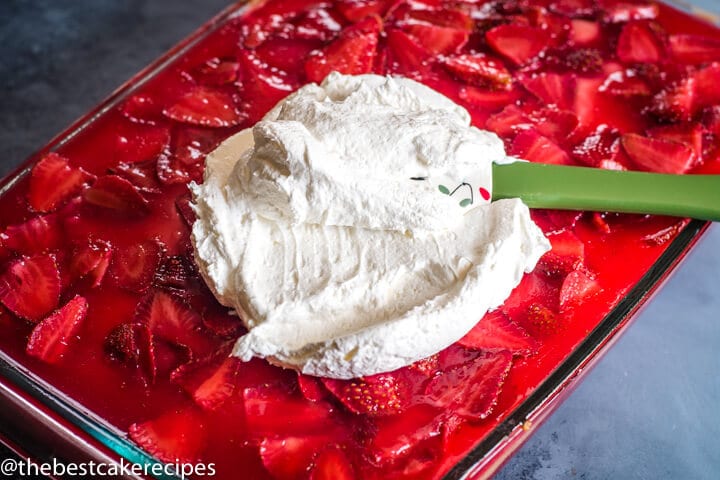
(349, 231)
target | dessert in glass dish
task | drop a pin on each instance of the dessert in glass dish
(99, 272)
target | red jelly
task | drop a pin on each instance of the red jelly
(101, 299)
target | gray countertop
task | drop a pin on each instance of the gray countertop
(649, 410)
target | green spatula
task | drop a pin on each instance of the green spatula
(582, 188)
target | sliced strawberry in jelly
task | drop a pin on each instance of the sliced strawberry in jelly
(91, 261)
(175, 273)
(574, 8)
(216, 72)
(675, 102)
(356, 10)
(142, 109)
(175, 436)
(706, 81)
(116, 195)
(487, 100)
(292, 456)
(456, 18)
(133, 267)
(509, 122)
(398, 435)
(171, 319)
(531, 145)
(212, 381)
(567, 254)
(576, 288)
(599, 221)
(169, 356)
(353, 52)
(620, 11)
(540, 320)
(694, 49)
(585, 32)
(406, 55)
(518, 43)
(141, 174)
(564, 219)
(30, 287)
(381, 394)
(480, 70)
(332, 464)
(51, 338)
(552, 88)
(626, 84)
(184, 160)
(690, 134)
(316, 24)
(638, 43)
(471, 389)
(132, 345)
(287, 54)
(185, 210)
(53, 181)
(601, 145)
(656, 155)
(534, 289)
(273, 411)
(495, 331)
(557, 125)
(664, 235)
(263, 87)
(206, 107)
(37, 235)
(136, 143)
(222, 322)
(438, 40)
(312, 388)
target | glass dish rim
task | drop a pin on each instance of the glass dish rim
(591, 348)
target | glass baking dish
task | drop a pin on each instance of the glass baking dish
(33, 409)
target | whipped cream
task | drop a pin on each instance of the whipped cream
(351, 228)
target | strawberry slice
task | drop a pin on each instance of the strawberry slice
(639, 44)
(574, 8)
(533, 146)
(584, 32)
(273, 411)
(205, 107)
(487, 100)
(456, 18)
(356, 10)
(706, 82)
(380, 394)
(508, 122)
(690, 134)
(141, 109)
(185, 210)
(92, 261)
(332, 464)
(53, 181)
(694, 49)
(210, 382)
(133, 268)
(177, 436)
(262, 88)
(626, 84)
(216, 72)
(141, 174)
(353, 52)
(664, 235)
(618, 11)
(37, 235)
(552, 89)
(406, 55)
(495, 331)
(567, 254)
(471, 389)
(603, 144)
(222, 322)
(534, 289)
(397, 436)
(541, 321)
(438, 40)
(175, 273)
(518, 43)
(137, 143)
(312, 388)
(557, 125)
(292, 456)
(479, 69)
(132, 345)
(676, 102)
(656, 155)
(51, 337)
(185, 159)
(30, 287)
(576, 288)
(113, 194)
(171, 319)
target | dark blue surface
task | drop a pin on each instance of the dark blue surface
(649, 410)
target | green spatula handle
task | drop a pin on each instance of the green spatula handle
(582, 188)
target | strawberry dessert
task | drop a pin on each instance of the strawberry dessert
(102, 298)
